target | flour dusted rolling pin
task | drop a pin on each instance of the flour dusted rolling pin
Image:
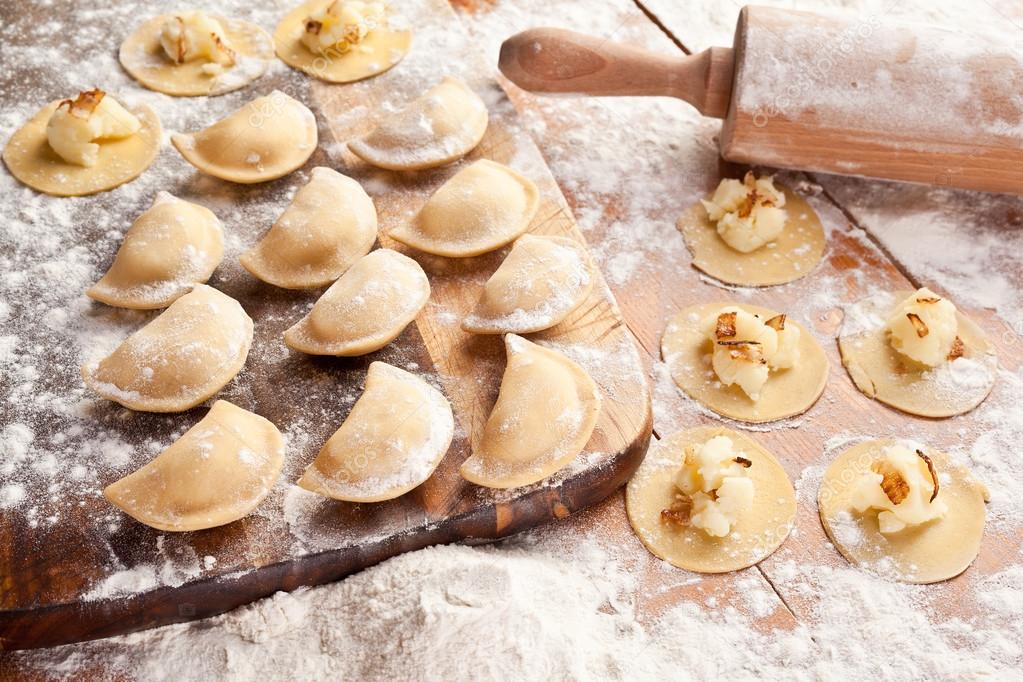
(800, 90)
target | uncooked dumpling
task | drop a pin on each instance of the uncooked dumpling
(395, 436)
(952, 371)
(364, 310)
(168, 250)
(714, 358)
(83, 146)
(728, 519)
(441, 126)
(194, 53)
(330, 224)
(540, 282)
(267, 138)
(216, 473)
(182, 357)
(341, 41)
(481, 208)
(546, 411)
(932, 510)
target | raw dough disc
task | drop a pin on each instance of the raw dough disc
(380, 50)
(788, 392)
(755, 536)
(927, 553)
(883, 373)
(30, 158)
(794, 254)
(143, 58)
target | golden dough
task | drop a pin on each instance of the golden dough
(539, 283)
(31, 160)
(927, 553)
(441, 126)
(182, 357)
(393, 439)
(366, 309)
(686, 350)
(381, 49)
(882, 373)
(167, 250)
(791, 256)
(479, 209)
(330, 224)
(757, 533)
(216, 473)
(144, 59)
(266, 139)
(545, 412)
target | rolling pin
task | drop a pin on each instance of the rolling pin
(805, 91)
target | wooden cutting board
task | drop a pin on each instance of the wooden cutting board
(55, 578)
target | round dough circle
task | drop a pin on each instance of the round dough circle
(379, 51)
(142, 56)
(30, 158)
(927, 553)
(787, 393)
(754, 537)
(794, 254)
(882, 373)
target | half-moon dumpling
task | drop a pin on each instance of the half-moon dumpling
(266, 139)
(391, 441)
(83, 146)
(341, 41)
(441, 126)
(195, 53)
(330, 224)
(540, 282)
(364, 310)
(167, 250)
(481, 208)
(546, 411)
(182, 357)
(216, 473)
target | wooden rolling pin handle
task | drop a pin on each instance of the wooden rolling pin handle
(553, 60)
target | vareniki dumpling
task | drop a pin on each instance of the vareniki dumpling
(168, 250)
(481, 208)
(441, 126)
(330, 224)
(216, 473)
(391, 441)
(540, 282)
(195, 53)
(266, 139)
(546, 411)
(185, 355)
(364, 310)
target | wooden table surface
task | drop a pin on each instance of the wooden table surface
(628, 169)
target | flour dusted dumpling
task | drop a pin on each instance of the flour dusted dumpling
(395, 436)
(341, 41)
(916, 352)
(182, 357)
(441, 126)
(195, 53)
(903, 510)
(216, 473)
(540, 282)
(545, 412)
(168, 250)
(366, 309)
(330, 224)
(267, 138)
(83, 146)
(481, 208)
